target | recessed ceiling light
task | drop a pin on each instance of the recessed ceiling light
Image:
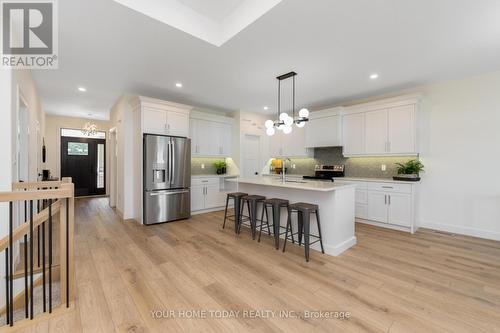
(82, 89)
(178, 85)
(374, 76)
(266, 108)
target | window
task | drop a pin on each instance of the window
(78, 148)
(100, 165)
(77, 133)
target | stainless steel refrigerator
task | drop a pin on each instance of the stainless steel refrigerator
(167, 178)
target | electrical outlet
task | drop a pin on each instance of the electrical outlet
(203, 166)
(293, 166)
(383, 167)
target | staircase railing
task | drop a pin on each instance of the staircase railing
(42, 202)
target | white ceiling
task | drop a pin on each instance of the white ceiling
(334, 45)
(215, 10)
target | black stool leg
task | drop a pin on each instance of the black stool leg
(267, 220)
(262, 221)
(319, 231)
(225, 212)
(288, 224)
(253, 219)
(300, 224)
(306, 221)
(239, 209)
(276, 225)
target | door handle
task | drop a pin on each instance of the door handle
(389, 199)
(172, 160)
(158, 193)
(385, 199)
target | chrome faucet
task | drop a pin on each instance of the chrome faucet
(283, 168)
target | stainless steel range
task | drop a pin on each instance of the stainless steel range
(167, 178)
(328, 172)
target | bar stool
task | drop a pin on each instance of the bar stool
(236, 196)
(304, 211)
(252, 202)
(276, 205)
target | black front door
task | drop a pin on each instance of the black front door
(83, 159)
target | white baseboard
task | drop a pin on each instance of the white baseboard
(384, 225)
(337, 250)
(209, 210)
(467, 231)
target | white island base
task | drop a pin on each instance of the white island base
(336, 208)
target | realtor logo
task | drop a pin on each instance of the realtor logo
(29, 34)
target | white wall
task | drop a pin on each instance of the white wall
(121, 120)
(460, 148)
(53, 125)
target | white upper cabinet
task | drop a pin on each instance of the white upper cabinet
(163, 118)
(376, 132)
(211, 137)
(324, 129)
(289, 145)
(401, 130)
(154, 121)
(177, 124)
(381, 129)
(353, 129)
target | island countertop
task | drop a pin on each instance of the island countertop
(320, 186)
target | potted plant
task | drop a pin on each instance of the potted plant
(409, 171)
(220, 166)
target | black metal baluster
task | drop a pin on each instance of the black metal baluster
(38, 234)
(26, 262)
(43, 269)
(7, 309)
(11, 266)
(50, 255)
(31, 259)
(67, 252)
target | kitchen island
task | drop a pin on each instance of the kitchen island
(335, 201)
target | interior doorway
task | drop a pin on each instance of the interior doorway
(83, 158)
(251, 160)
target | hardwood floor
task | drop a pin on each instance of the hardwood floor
(389, 282)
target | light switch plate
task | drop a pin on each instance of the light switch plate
(383, 167)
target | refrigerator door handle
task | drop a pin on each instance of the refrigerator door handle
(172, 160)
(157, 193)
(169, 161)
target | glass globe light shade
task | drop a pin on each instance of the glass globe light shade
(301, 124)
(287, 129)
(288, 121)
(270, 131)
(269, 123)
(283, 116)
(304, 113)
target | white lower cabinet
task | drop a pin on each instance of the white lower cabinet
(386, 203)
(206, 193)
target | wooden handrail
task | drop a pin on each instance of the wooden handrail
(24, 229)
(36, 185)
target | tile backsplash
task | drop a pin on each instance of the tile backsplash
(204, 165)
(355, 166)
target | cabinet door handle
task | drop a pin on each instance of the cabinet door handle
(389, 199)
(385, 199)
(387, 187)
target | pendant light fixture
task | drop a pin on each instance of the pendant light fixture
(90, 129)
(284, 121)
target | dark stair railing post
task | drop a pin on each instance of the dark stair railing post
(50, 255)
(67, 252)
(31, 259)
(26, 313)
(7, 308)
(11, 266)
